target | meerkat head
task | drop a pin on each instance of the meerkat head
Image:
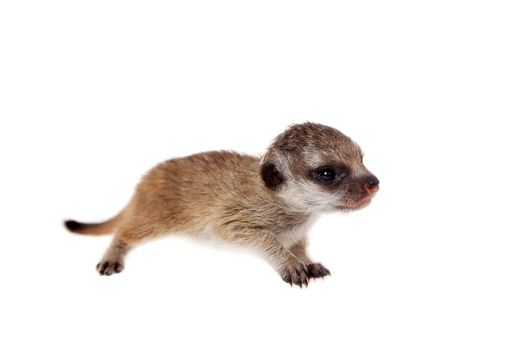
(313, 167)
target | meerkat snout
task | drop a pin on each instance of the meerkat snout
(266, 204)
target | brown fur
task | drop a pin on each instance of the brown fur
(266, 204)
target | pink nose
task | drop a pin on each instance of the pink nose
(372, 184)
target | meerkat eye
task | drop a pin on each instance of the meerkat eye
(326, 174)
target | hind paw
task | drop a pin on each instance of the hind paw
(109, 267)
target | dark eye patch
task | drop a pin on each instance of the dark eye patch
(329, 174)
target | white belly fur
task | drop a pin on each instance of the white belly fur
(287, 238)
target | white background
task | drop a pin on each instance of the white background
(92, 94)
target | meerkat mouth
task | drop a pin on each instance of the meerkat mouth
(359, 204)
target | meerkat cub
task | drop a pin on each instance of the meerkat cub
(266, 204)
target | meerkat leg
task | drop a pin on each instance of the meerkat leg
(130, 234)
(113, 260)
(290, 268)
(299, 250)
(315, 270)
(125, 239)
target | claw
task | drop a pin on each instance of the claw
(317, 271)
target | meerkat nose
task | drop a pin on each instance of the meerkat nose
(371, 184)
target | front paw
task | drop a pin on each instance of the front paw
(317, 270)
(294, 272)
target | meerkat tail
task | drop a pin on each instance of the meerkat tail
(96, 229)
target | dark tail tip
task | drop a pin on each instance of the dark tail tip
(72, 225)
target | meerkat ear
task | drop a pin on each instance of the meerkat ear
(271, 176)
